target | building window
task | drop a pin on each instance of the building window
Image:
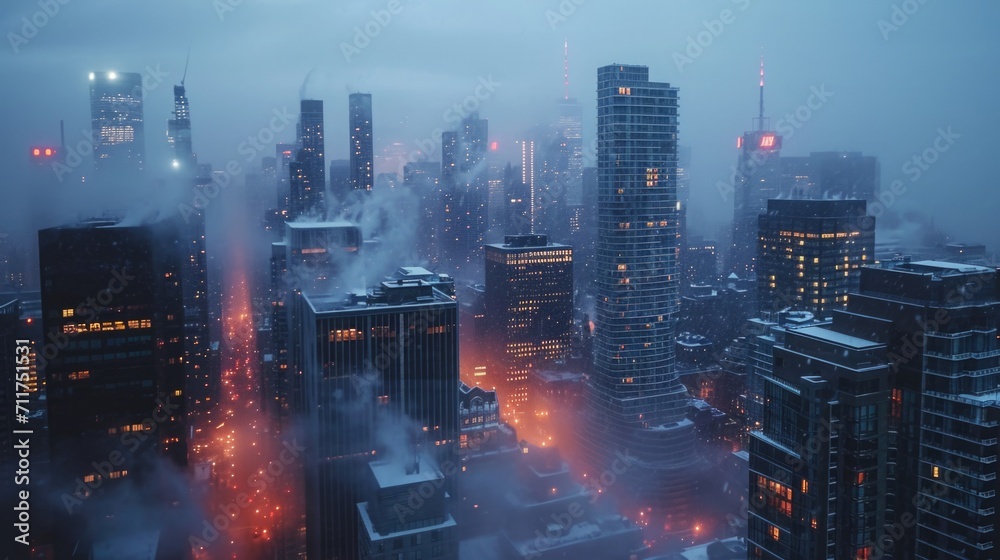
(774, 532)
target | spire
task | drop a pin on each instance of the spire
(566, 68)
(760, 121)
(186, 61)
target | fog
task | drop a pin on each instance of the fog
(895, 79)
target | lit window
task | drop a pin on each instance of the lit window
(774, 532)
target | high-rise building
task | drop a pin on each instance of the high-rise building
(117, 125)
(464, 176)
(308, 169)
(424, 181)
(528, 180)
(369, 362)
(340, 181)
(939, 323)
(882, 424)
(362, 149)
(517, 203)
(112, 301)
(203, 383)
(757, 179)
(810, 253)
(636, 401)
(818, 471)
(529, 309)
(831, 175)
(310, 260)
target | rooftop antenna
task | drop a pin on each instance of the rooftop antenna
(186, 60)
(566, 68)
(760, 120)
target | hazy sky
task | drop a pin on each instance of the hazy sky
(893, 86)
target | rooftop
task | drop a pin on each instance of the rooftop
(837, 338)
(320, 225)
(389, 474)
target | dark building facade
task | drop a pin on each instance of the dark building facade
(757, 179)
(465, 211)
(810, 253)
(307, 172)
(113, 311)
(369, 362)
(636, 400)
(529, 309)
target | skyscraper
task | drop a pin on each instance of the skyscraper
(308, 169)
(464, 174)
(362, 150)
(117, 125)
(756, 180)
(179, 132)
(112, 302)
(340, 180)
(831, 175)
(879, 434)
(529, 309)
(636, 401)
(818, 470)
(370, 361)
(810, 253)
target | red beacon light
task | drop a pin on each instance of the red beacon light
(43, 152)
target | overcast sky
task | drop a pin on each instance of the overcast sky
(893, 85)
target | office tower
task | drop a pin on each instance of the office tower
(392, 527)
(810, 253)
(179, 132)
(340, 181)
(307, 173)
(570, 138)
(424, 181)
(112, 302)
(465, 201)
(527, 149)
(757, 179)
(929, 329)
(939, 323)
(202, 387)
(517, 203)
(312, 259)
(116, 125)
(683, 197)
(529, 309)
(699, 265)
(636, 401)
(831, 175)
(818, 471)
(362, 154)
(369, 361)
(284, 155)
(495, 203)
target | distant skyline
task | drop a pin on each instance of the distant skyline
(892, 87)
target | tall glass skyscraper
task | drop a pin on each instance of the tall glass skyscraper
(308, 170)
(362, 151)
(636, 402)
(116, 124)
